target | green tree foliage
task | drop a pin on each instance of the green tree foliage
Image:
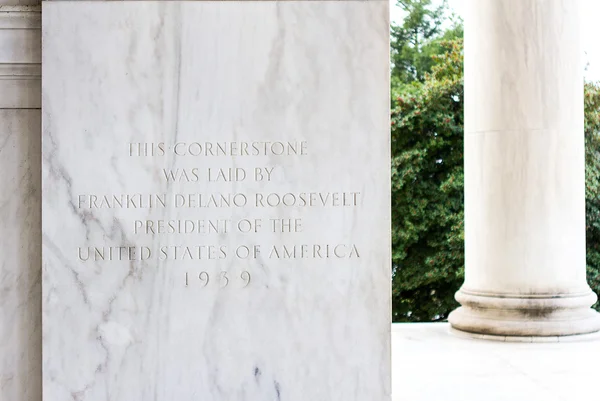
(427, 191)
(592, 183)
(418, 38)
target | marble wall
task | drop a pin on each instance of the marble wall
(216, 201)
(20, 211)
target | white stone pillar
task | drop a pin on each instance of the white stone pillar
(20, 210)
(524, 171)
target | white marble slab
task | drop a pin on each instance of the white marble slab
(273, 325)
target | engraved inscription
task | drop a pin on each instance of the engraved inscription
(204, 239)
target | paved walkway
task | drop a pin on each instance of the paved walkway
(430, 364)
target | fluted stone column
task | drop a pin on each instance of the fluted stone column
(20, 211)
(524, 171)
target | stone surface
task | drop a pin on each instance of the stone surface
(524, 171)
(20, 250)
(20, 198)
(430, 364)
(20, 3)
(283, 319)
(214, 0)
(20, 56)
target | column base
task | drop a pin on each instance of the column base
(525, 315)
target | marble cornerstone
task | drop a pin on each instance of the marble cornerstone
(216, 209)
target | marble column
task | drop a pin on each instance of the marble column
(524, 172)
(20, 238)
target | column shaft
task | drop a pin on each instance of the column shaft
(524, 171)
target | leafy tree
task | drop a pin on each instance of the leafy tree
(592, 183)
(427, 191)
(417, 39)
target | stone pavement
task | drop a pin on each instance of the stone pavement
(430, 364)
